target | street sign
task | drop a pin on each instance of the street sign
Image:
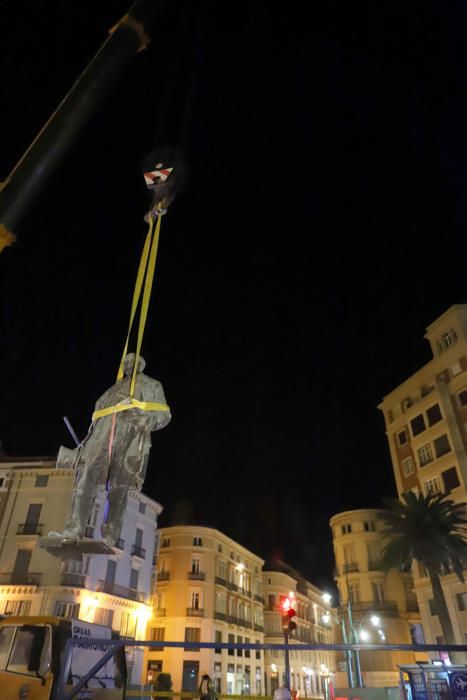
(458, 682)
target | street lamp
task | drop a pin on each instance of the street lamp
(327, 618)
(364, 636)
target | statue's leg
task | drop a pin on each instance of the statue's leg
(83, 500)
(118, 487)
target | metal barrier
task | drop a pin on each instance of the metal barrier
(114, 646)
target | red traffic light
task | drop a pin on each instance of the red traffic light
(287, 613)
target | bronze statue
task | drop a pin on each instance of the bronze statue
(115, 452)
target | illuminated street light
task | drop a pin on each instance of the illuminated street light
(374, 619)
(364, 636)
(326, 597)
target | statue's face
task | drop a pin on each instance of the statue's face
(129, 364)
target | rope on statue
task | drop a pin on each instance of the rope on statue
(145, 274)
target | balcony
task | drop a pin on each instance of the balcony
(220, 581)
(71, 579)
(163, 575)
(359, 609)
(89, 532)
(374, 565)
(120, 544)
(232, 586)
(258, 628)
(194, 612)
(120, 591)
(137, 551)
(30, 529)
(232, 619)
(220, 616)
(246, 623)
(351, 566)
(159, 612)
(17, 578)
(196, 576)
(259, 598)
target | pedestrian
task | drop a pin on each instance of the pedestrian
(206, 688)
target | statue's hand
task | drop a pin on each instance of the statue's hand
(139, 483)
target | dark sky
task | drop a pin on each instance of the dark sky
(321, 229)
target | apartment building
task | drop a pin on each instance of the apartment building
(209, 589)
(426, 427)
(383, 606)
(310, 671)
(110, 590)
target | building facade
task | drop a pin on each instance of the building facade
(209, 589)
(115, 590)
(383, 606)
(310, 671)
(426, 428)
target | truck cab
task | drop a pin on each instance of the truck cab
(32, 654)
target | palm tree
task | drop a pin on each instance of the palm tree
(432, 530)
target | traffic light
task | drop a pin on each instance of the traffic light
(287, 613)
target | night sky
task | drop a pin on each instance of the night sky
(321, 229)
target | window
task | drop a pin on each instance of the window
(257, 651)
(378, 592)
(6, 636)
(42, 480)
(103, 616)
(418, 425)
(17, 607)
(110, 571)
(434, 414)
(192, 634)
(448, 339)
(142, 508)
(157, 635)
(346, 529)
(64, 609)
(139, 537)
(2, 482)
(165, 542)
(21, 565)
(219, 548)
(197, 542)
(442, 445)
(354, 592)
(461, 601)
(231, 640)
(247, 651)
(407, 466)
(462, 396)
(195, 566)
(218, 639)
(456, 369)
(432, 606)
(27, 639)
(432, 485)
(195, 597)
(425, 455)
(239, 651)
(272, 601)
(134, 575)
(127, 625)
(450, 479)
(369, 526)
(402, 437)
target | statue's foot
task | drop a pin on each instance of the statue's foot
(67, 534)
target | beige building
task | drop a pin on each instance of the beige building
(209, 589)
(357, 541)
(310, 671)
(426, 427)
(111, 590)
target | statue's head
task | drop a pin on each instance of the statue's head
(129, 363)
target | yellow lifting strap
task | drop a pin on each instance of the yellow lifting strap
(145, 272)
